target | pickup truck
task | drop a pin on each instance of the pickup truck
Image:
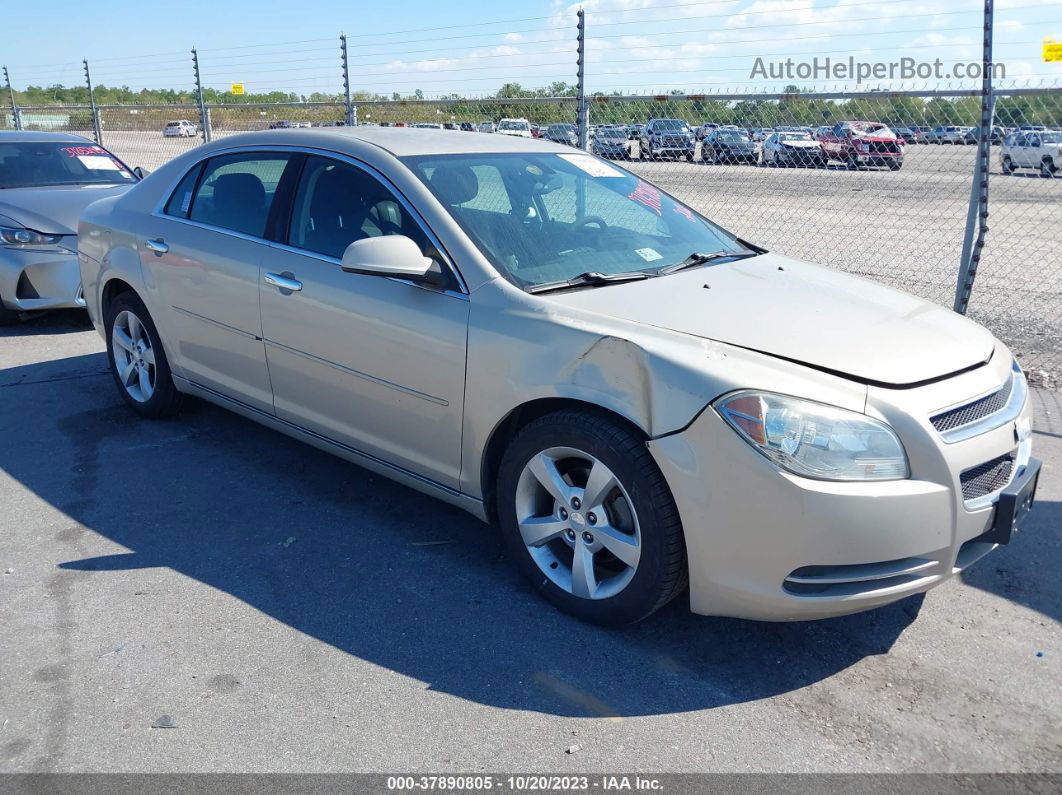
(863, 143)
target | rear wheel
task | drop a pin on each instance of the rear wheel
(1047, 168)
(8, 317)
(589, 518)
(138, 361)
(1007, 165)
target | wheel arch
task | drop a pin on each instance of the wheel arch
(512, 423)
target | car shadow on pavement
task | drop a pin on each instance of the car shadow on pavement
(61, 321)
(380, 571)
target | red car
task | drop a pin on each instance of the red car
(863, 143)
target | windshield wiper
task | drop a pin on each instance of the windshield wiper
(697, 258)
(588, 279)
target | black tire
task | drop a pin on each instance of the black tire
(851, 162)
(1007, 165)
(661, 573)
(1047, 168)
(895, 165)
(166, 401)
(8, 317)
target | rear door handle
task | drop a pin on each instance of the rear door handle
(283, 282)
(159, 246)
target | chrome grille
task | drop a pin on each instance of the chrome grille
(987, 477)
(973, 411)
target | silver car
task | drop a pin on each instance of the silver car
(46, 180)
(638, 398)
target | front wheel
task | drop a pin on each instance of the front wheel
(589, 518)
(1007, 165)
(1047, 168)
(138, 361)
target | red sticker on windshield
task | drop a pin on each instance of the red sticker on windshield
(647, 195)
(75, 151)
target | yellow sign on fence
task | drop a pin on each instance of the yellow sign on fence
(237, 88)
(1052, 51)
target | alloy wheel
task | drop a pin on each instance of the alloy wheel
(578, 523)
(134, 358)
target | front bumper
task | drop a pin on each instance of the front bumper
(736, 154)
(34, 280)
(765, 544)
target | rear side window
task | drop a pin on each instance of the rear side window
(181, 200)
(236, 191)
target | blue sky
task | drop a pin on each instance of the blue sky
(640, 46)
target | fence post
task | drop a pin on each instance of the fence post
(97, 128)
(977, 214)
(348, 109)
(16, 117)
(581, 107)
(204, 116)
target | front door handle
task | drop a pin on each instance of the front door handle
(159, 246)
(283, 282)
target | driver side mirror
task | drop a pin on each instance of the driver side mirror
(140, 173)
(395, 256)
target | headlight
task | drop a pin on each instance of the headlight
(813, 439)
(19, 237)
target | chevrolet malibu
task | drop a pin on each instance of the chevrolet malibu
(640, 400)
(46, 180)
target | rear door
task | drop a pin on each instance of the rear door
(201, 255)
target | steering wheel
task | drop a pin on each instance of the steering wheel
(592, 219)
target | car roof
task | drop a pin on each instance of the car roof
(399, 141)
(42, 137)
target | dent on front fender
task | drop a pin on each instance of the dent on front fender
(522, 349)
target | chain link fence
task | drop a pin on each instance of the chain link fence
(878, 185)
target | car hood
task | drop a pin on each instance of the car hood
(53, 209)
(801, 144)
(803, 313)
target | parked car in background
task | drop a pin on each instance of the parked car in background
(634, 131)
(973, 134)
(283, 124)
(821, 132)
(791, 149)
(905, 134)
(702, 132)
(728, 146)
(485, 127)
(611, 141)
(947, 134)
(562, 134)
(428, 125)
(863, 143)
(521, 128)
(794, 443)
(1032, 149)
(758, 134)
(467, 126)
(46, 180)
(180, 129)
(667, 138)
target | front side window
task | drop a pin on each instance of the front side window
(566, 214)
(236, 191)
(26, 164)
(337, 203)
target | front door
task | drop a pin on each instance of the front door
(375, 363)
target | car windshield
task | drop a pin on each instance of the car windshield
(611, 132)
(514, 125)
(27, 164)
(731, 136)
(670, 124)
(544, 218)
(562, 128)
(1051, 137)
(793, 136)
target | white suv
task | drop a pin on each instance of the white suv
(1040, 149)
(181, 129)
(518, 127)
